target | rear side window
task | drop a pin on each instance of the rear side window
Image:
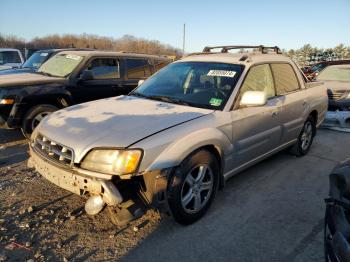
(285, 78)
(104, 68)
(259, 78)
(9, 57)
(137, 68)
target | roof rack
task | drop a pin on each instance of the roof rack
(226, 48)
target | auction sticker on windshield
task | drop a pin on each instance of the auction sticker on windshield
(215, 101)
(223, 73)
(74, 57)
(44, 54)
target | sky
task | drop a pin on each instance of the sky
(288, 24)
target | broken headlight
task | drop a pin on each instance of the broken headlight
(112, 161)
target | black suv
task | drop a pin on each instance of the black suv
(68, 78)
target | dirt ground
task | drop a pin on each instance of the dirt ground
(271, 212)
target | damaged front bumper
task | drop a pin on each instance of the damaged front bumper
(150, 187)
(75, 182)
(337, 120)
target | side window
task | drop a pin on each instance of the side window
(104, 68)
(259, 78)
(285, 78)
(137, 68)
(9, 57)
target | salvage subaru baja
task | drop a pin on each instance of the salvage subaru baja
(174, 140)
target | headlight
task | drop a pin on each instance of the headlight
(114, 162)
(348, 96)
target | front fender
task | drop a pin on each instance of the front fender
(178, 150)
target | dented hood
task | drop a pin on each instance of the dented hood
(27, 79)
(113, 122)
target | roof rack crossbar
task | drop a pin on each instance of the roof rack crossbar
(226, 48)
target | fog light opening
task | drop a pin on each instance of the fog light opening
(94, 205)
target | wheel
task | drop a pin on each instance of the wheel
(305, 138)
(33, 117)
(193, 186)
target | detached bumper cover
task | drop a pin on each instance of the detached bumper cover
(338, 120)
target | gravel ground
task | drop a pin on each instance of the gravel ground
(271, 212)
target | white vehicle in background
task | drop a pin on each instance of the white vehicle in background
(10, 58)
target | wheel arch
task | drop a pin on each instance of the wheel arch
(215, 141)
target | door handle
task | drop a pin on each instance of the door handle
(304, 103)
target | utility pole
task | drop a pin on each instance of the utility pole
(183, 40)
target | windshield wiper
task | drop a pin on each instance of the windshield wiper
(168, 100)
(137, 94)
(45, 74)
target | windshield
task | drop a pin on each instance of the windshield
(60, 65)
(36, 60)
(335, 73)
(199, 84)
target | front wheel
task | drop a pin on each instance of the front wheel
(193, 186)
(34, 116)
(305, 138)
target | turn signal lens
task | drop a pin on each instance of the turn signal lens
(7, 101)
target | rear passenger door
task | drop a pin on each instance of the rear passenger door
(136, 69)
(256, 130)
(292, 97)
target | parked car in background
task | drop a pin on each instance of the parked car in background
(69, 78)
(312, 71)
(173, 141)
(337, 217)
(10, 58)
(33, 63)
(337, 81)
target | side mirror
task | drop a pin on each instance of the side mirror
(87, 75)
(140, 82)
(253, 98)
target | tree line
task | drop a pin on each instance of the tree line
(126, 43)
(308, 54)
(305, 55)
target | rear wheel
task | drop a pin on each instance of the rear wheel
(305, 138)
(34, 116)
(193, 186)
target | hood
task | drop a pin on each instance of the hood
(17, 71)
(27, 79)
(337, 85)
(113, 122)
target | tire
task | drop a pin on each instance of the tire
(305, 138)
(192, 187)
(33, 117)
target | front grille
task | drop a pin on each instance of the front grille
(335, 95)
(53, 151)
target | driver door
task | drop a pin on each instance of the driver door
(106, 80)
(256, 130)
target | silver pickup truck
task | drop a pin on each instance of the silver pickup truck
(175, 140)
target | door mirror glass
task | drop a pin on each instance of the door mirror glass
(86, 75)
(140, 82)
(253, 98)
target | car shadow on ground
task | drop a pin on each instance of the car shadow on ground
(10, 135)
(13, 147)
